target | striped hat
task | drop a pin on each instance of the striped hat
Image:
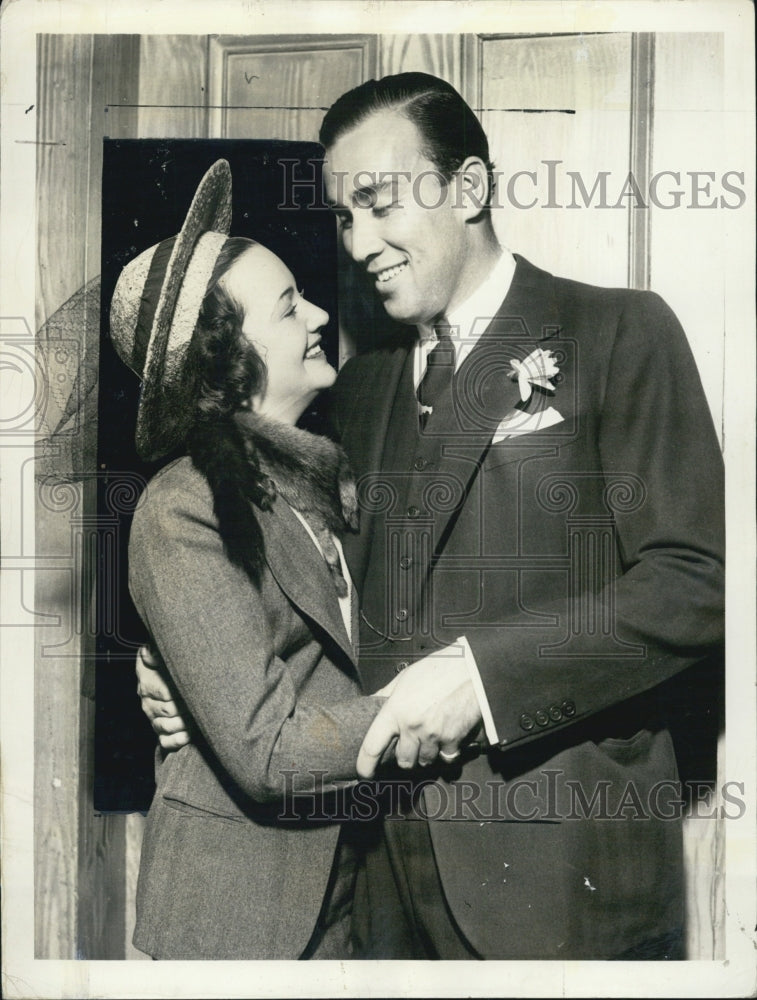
(154, 312)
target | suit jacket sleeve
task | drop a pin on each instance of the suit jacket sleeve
(654, 422)
(212, 628)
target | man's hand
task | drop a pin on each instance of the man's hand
(432, 707)
(160, 703)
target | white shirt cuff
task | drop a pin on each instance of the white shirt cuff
(483, 702)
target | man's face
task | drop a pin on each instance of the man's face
(397, 217)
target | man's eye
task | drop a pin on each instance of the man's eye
(381, 211)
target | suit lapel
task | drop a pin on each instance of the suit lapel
(364, 441)
(301, 572)
(463, 424)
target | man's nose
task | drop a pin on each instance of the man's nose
(362, 240)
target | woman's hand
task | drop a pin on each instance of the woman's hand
(160, 703)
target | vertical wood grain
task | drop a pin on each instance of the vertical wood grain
(557, 108)
(642, 109)
(79, 857)
(115, 92)
(63, 169)
(688, 240)
(56, 754)
(63, 175)
(173, 89)
(704, 859)
(135, 827)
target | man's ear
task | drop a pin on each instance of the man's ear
(472, 188)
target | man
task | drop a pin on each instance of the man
(540, 554)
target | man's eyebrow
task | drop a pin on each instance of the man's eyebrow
(363, 194)
(373, 189)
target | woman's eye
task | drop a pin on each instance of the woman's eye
(292, 311)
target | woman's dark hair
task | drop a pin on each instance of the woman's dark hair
(228, 369)
(449, 129)
(227, 372)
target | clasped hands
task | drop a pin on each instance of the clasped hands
(431, 709)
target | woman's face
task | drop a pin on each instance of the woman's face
(284, 328)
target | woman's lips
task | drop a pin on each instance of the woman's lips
(316, 351)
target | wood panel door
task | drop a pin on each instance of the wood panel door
(557, 111)
(280, 87)
(588, 134)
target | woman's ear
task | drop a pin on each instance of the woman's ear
(473, 187)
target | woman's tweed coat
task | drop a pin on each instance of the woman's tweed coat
(267, 672)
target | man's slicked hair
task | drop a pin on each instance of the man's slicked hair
(449, 129)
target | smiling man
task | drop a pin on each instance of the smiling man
(536, 565)
(412, 230)
(530, 545)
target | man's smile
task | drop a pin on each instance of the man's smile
(387, 273)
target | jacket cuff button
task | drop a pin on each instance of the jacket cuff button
(568, 708)
(526, 722)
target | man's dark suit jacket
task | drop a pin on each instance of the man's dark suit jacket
(583, 561)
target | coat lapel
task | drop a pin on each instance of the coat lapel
(302, 573)
(463, 424)
(364, 441)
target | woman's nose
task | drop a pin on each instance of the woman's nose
(316, 317)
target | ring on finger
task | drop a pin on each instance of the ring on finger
(448, 758)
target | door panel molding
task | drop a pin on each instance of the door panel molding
(304, 100)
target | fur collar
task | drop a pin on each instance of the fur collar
(249, 460)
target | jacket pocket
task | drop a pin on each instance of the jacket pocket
(646, 753)
(198, 812)
(625, 749)
(187, 778)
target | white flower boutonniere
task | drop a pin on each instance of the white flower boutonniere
(537, 369)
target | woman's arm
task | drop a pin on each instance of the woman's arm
(212, 628)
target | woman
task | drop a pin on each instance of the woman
(236, 570)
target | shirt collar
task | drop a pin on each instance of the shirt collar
(481, 305)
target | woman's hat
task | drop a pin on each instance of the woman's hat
(155, 308)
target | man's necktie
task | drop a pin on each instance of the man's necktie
(440, 367)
